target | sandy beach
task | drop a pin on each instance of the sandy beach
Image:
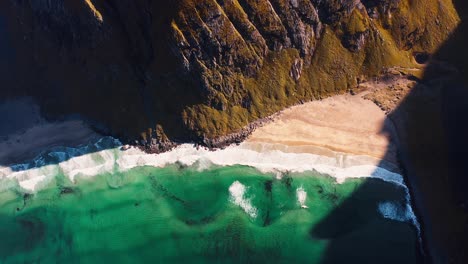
(24, 133)
(340, 125)
(341, 136)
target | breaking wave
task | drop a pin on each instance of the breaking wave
(106, 156)
(237, 192)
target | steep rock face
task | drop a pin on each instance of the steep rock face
(201, 69)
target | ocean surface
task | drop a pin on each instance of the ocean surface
(216, 214)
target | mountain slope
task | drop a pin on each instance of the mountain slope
(192, 70)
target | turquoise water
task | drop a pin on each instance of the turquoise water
(177, 214)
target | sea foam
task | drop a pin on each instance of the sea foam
(237, 191)
(105, 156)
(104, 159)
(301, 197)
(401, 212)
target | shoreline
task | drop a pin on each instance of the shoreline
(273, 162)
(28, 133)
(268, 160)
(319, 136)
(322, 133)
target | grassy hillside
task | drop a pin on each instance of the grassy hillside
(189, 70)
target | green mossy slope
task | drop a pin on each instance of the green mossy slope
(192, 70)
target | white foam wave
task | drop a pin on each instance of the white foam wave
(237, 196)
(301, 196)
(267, 161)
(402, 212)
(74, 162)
(394, 211)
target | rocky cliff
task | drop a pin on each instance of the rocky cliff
(198, 70)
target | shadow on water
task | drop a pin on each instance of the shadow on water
(358, 233)
(432, 129)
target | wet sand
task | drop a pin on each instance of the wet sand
(24, 133)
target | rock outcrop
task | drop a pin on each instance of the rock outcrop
(199, 70)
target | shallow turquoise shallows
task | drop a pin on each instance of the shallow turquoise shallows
(180, 215)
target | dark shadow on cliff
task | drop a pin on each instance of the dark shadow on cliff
(432, 128)
(121, 75)
(122, 72)
(27, 138)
